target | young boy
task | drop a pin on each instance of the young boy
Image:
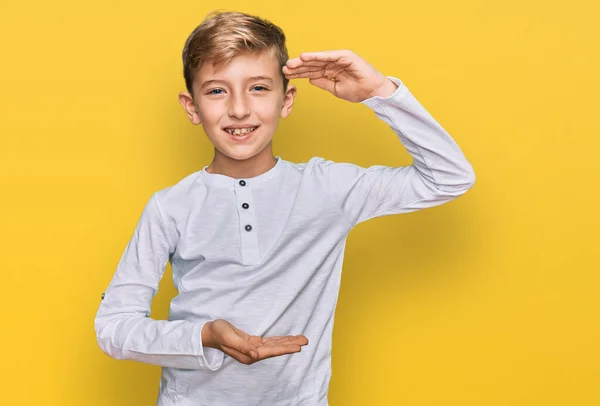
(256, 242)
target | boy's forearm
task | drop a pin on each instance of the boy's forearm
(436, 156)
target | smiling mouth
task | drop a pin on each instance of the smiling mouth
(240, 132)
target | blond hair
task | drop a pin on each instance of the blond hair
(223, 35)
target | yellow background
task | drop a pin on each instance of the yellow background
(491, 299)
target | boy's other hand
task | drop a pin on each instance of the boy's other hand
(343, 73)
(246, 348)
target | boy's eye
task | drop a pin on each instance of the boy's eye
(220, 90)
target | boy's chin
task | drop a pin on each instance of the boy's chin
(241, 154)
(244, 152)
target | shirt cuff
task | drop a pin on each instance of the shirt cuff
(400, 91)
(210, 358)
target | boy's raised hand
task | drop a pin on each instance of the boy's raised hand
(343, 73)
(246, 348)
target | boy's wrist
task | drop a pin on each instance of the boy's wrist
(387, 89)
(207, 336)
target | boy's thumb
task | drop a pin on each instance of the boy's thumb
(245, 348)
(251, 352)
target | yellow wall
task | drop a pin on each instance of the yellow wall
(491, 299)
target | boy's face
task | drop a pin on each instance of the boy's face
(233, 95)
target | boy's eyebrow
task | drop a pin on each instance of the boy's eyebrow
(260, 77)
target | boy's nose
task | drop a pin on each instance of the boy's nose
(239, 107)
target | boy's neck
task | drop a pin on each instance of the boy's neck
(249, 168)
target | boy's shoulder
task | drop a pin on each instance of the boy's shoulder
(317, 163)
(176, 194)
(312, 162)
(324, 170)
(328, 174)
(323, 166)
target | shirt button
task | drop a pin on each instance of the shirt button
(242, 183)
(103, 296)
(245, 205)
(248, 227)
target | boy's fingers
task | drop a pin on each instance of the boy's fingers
(261, 353)
(298, 339)
(283, 342)
(302, 339)
(309, 74)
(297, 62)
(269, 352)
(254, 348)
(319, 57)
(302, 69)
(323, 55)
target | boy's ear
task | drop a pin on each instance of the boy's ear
(288, 101)
(187, 101)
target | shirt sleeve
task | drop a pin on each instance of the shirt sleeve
(124, 329)
(439, 172)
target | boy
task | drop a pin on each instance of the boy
(256, 243)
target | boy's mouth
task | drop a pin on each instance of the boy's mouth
(241, 133)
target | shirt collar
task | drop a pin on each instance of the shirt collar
(224, 181)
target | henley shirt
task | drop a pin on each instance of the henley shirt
(264, 253)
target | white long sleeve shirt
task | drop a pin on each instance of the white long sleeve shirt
(264, 253)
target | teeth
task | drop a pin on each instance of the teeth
(240, 131)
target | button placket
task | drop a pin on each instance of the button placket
(247, 222)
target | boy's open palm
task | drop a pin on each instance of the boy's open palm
(247, 348)
(343, 73)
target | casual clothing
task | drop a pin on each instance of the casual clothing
(264, 253)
